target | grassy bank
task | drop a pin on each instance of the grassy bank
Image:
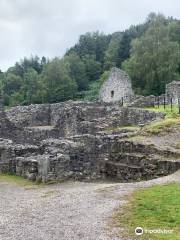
(157, 207)
(174, 112)
(13, 179)
(162, 126)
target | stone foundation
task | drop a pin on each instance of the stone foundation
(71, 140)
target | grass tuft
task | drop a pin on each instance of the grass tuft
(177, 145)
(163, 126)
(17, 180)
(170, 113)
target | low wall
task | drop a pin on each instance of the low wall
(27, 116)
(54, 114)
(71, 118)
(87, 157)
(149, 101)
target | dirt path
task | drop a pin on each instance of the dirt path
(68, 211)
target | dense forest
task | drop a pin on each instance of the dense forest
(149, 52)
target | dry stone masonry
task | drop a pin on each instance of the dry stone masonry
(171, 96)
(116, 87)
(52, 142)
(84, 140)
(173, 91)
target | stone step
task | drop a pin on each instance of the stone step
(123, 165)
(170, 165)
(142, 159)
(151, 168)
(128, 158)
(131, 146)
(123, 172)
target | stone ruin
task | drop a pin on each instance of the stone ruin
(173, 91)
(77, 140)
(171, 95)
(83, 140)
(116, 87)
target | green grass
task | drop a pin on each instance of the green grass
(17, 180)
(170, 113)
(177, 145)
(162, 126)
(157, 207)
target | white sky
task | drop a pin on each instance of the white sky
(49, 27)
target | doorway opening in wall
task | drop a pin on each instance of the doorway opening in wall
(112, 94)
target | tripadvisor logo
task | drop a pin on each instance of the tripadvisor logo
(139, 231)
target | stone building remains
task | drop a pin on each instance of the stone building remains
(173, 91)
(84, 140)
(116, 87)
(78, 140)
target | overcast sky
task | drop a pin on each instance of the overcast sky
(49, 27)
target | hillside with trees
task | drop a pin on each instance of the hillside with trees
(149, 52)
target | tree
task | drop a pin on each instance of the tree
(58, 83)
(154, 58)
(77, 71)
(174, 34)
(11, 84)
(30, 86)
(111, 54)
(20, 68)
(93, 68)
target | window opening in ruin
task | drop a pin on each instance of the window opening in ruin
(112, 94)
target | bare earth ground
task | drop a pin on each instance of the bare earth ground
(67, 211)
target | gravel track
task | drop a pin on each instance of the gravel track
(67, 211)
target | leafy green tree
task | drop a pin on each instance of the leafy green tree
(33, 62)
(11, 84)
(123, 52)
(111, 54)
(58, 83)
(77, 70)
(1, 77)
(93, 93)
(148, 51)
(154, 58)
(30, 85)
(93, 68)
(20, 68)
(174, 34)
(174, 31)
(94, 44)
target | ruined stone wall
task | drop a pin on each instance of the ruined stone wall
(173, 91)
(72, 118)
(149, 101)
(32, 115)
(117, 86)
(71, 140)
(11, 160)
(86, 157)
(81, 121)
(7, 156)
